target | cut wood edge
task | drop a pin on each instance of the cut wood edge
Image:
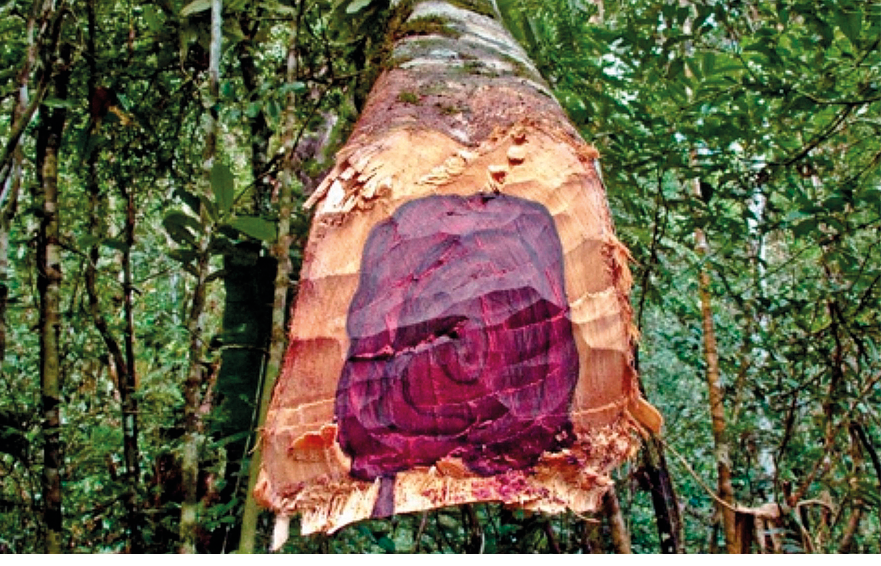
(575, 478)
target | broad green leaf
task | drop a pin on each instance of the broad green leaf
(357, 6)
(386, 544)
(185, 257)
(253, 109)
(224, 187)
(188, 197)
(195, 7)
(273, 110)
(279, 8)
(850, 23)
(255, 227)
(232, 31)
(181, 227)
(153, 18)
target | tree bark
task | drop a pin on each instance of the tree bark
(43, 29)
(193, 394)
(123, 361)
(49, 289)
(128, 382)
(461, 119)
(11, 177)
(278, 344)
(717, 409)
(713, 374)
(664, 501)
(617, 523)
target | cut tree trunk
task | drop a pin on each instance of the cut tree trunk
(463, 329)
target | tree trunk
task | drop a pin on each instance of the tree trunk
(278, 344)
(123, 362)
(617, 523)
(658, 482)
(128, 382)
(466, 210)
(711, 359)
(654, 474)
(860, 432)
(11, 174)
(49, 289)
(717, 409)
(189, 520)
(43, 31)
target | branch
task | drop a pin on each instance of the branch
(17, 131)
(697, 478)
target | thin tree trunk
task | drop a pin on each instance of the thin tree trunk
(860, 432)
(10, 180)
(6, 215)
(123, 363)
(278, 345)
(617, 524)
(195, 321)
(43, 30)
(49, 289)
(666, 505)
(248, 277)
(658, 480)
(192, 401)
(713, 373)
(846, 543)
(8, 205)
(128, 382)
(717, 409)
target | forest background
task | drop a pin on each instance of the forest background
(154, 161)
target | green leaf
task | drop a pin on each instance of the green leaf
(116, 244)
(88, 241)
(273, 110)
(181, 227)
(185, 258)
(253, 109)
(255, 227)
(189, 198)
(153, 18)
(386, 544)
(195, 6)
(279, 8)
(357, 6)
(850, 23)
(52, 102)
(224, 187)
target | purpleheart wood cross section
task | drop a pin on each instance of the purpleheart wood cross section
(460, 339)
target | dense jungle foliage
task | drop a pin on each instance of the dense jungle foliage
(154, 159)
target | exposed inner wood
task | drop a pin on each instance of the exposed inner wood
(455, 119)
